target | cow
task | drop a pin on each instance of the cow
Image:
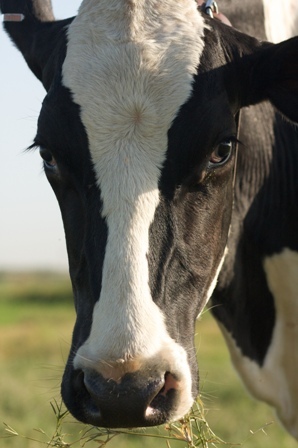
(166, 200)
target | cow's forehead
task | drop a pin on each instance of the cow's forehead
(130, 66)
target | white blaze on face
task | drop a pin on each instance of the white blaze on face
(130, 67)
(276, 382)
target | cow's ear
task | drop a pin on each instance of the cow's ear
(31, 26)
(271, 73)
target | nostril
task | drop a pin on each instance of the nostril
(170, 384)
(78, 380)
(85, 396)
(164, 400)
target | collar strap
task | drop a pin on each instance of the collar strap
(211, 7)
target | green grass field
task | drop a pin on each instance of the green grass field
(36, 321)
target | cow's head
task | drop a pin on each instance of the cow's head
(137, 133)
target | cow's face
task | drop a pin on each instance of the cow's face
(138, 133)
(147, 165)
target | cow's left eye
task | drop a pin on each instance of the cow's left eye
(221, 154)
(47, 157)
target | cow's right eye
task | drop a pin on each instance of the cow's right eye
(221, 154)
(47, 157)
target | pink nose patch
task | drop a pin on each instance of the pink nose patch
(170, 383)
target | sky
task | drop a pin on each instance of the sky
(31, 230)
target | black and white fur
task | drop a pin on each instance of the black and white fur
(141, 101)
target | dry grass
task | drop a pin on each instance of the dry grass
(192, 431)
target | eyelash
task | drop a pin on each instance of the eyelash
(50, 164)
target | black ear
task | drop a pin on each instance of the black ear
(271, 73)
(31, 26)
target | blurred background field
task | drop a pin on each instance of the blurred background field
(36, 321)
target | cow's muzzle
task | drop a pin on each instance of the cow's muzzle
(137, 399)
